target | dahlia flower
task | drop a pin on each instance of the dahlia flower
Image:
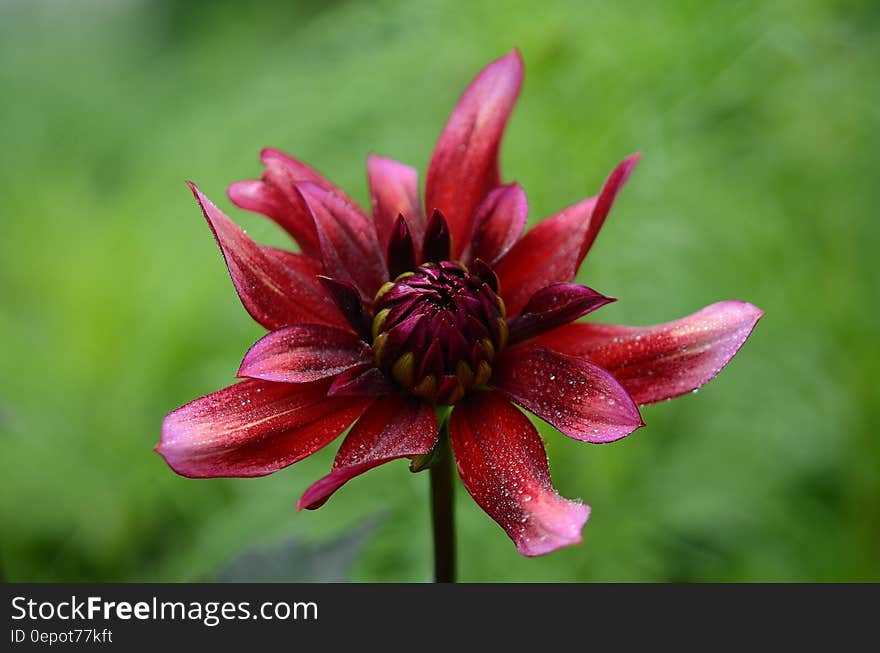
(422, 326)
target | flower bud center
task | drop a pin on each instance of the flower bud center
(437, 330)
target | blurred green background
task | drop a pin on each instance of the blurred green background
(759, 123)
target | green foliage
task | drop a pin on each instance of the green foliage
(759, 124)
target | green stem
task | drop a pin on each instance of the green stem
(442, 513)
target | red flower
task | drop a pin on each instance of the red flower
(379, 320)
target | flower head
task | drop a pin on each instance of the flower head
(381, 321)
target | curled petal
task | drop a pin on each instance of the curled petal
(503, 465)
(268, 281)
(487, 275)
(498, 224)
(288, 210)
(579, 398)
(303, 353)
(275, 196)
(254, 428)
(554, 306)
(285, 171)
(361, 381)
(401, 253)
(349, 247)
(664, 361)
(393, 427)
(553, 250)
(437, 244)
(464, 165)
(394, 190)
(350, 304)
(605, 201)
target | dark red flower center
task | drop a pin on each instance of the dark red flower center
(438, 329)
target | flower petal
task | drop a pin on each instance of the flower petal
(437, 241)
(275, 196)
(503, 465)
(552, 307)
(361, 381)
(553, 250)
(271, 289)
(664, 361)
(464, 165)
(295, 171)
(350, 304)
(305, 287)
(254, 428)
(605, 201)
(304, 353)
(349, 247)
(393, 427)
(579, 398)
(546, 254)
(290, 212)
(394, 190)
(401, 254)
(498, 224)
